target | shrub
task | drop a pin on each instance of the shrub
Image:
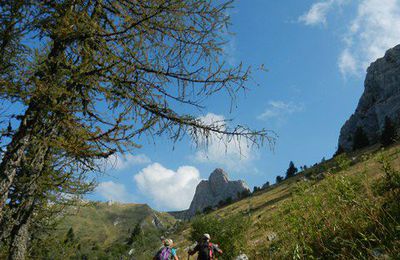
(342, 162)
(229, 233)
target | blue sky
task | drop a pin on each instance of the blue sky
(315, 53)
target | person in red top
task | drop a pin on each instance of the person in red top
(206, 250)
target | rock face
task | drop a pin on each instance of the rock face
(381, 98)
(217, 188)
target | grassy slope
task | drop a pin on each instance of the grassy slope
(263, 207)
(106, 224)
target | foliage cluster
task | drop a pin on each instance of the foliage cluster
(229, 233)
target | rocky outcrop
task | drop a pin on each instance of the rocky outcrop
(381, 98)
(211, 192)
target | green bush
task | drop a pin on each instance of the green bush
(229, 233)
(342, 162)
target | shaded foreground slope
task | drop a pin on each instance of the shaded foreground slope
(347, 207)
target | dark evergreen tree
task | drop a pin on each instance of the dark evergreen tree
(266, 185)
(228, 201)
(339, 151)
(70, 237)
(360, 139)
(291, 171)
(279, 179)
(245, 194)
(389, 134)
(135, 233)
(207, 210)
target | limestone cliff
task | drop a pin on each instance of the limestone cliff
(217, 188)
(381, 98)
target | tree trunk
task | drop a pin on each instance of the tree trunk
(19, 242)
(26, 190)
(14, 154)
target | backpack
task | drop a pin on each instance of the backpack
(164, 254)
(206, 251)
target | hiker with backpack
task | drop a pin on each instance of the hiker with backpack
(206, 250)
(167, 252)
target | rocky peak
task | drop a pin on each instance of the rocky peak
(218, 176)
(218, 180)
(381, 98)
(217, 188)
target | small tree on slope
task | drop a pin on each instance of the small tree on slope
(389, 134)
(360, 139)
(291, 171)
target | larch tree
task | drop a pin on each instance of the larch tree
(89, 79)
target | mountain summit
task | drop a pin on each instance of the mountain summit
(211, 192)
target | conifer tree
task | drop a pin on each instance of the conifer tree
(339, 151)
(278, 179)
(100, 75)
(389, 134)
(360, 139)
(291, 171)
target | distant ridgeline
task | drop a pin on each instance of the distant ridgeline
(216, 191)
(377, 117)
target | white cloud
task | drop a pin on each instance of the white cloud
(280, 109)
(347, 63)
(112, 191)
(169, 189)
(317, 13)
(375, 29)
(230, 51)
(231, 153)
(125, 161)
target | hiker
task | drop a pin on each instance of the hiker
(206, 250)
(162, 239)
(167, 252)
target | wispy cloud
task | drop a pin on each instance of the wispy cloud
(233, 154)
(317, 13)
(374, 28)
(126, 161)
(173, 190)
(112, 191)
(280, 109)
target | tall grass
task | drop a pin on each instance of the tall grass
(343, 217)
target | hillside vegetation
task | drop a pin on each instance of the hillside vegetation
(346, 208)
(105, 231)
